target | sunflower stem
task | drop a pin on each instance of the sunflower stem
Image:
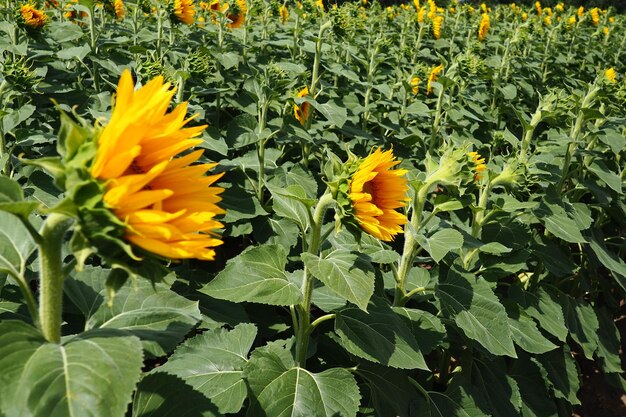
(92, 37)
(51, 276)
(410, 245)
(305, 327)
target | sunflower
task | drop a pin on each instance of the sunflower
(479, 164)
(284, 13)
(166, 204)
(484, 27)
(120, 10)
(237, 14)
(301, 112)
(437, 24)
(184, 11)
(434, 73)
(415, 84)
(595, 16)
(376, 191)
(610, 75)
(33, 18)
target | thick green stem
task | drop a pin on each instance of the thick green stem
(410, 245)
(304, 309)
(52, 276)
(528, 133)
(94, 51)
(316, 67)
(437, 121)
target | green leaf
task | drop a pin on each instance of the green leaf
(280, 388)
(536, 401)
(91, 374)
(556, 219)
(498, 393)
(540, 306)
(441, 243)
(212, 363)
(559, 369)
(582, 323)
(164, 395)
(15, 117)
(609, 259)
(12, 198)
(428, 330)
(335, 114)
(16, 245)
(346, 273)
(154, 313)
(257, 275)
(380, 335)
(608, 342)
(291, 203)
(391, 390)
(599, 168)
(455, 402)
(476, 310)
(525, 332)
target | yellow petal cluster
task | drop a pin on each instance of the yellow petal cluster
(415, 85)
(237, 14)
(167, 204)
(301, 112)
(185, 11)
(120, 10)
(432, 77)
(479, 164)
(484, 27)
(376, 192)
(611, 75)
(437, 25)
(284, 13)
(33, 18)
(595, 16)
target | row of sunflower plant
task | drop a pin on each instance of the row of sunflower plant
(271, 208)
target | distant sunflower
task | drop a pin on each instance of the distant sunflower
(284, 13)
(237, 14)
(301, 112)
(415, 85)
(437, 26)
(479, 165)
(166, 204)
(611, 75)
(120, 10)
(376, 191)
(485, 23)
(33, 18)
(184, 11)
(432, 77)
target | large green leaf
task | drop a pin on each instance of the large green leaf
(559, 370)
(212, 363)
(476, 310)
(428, 329)
(347, 273)
(292, 203)
(441, 243)
(154, 313)
(525, 332)
(391, 390)
(536, 401)
(92, 374)
(16, 245)
(12, 198)
(557, 220)
(497, 393)
(608, 342)
(542, 307)
(456, 401)
(582, 323)
(380, 335)
(280, 388)
(257, 275)
(609, 259)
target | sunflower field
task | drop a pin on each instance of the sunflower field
(264, 208)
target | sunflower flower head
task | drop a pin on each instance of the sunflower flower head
(478, 164)
(284, 13)
(120, 10)
(595, 16)
(32, 17)
(373, 193)
(437, 26)
(432, 77)
(301, 111)
(415, 85)
(610, 75)
(184, 11)
(484, 27)
(134, 184)
(237, 14)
